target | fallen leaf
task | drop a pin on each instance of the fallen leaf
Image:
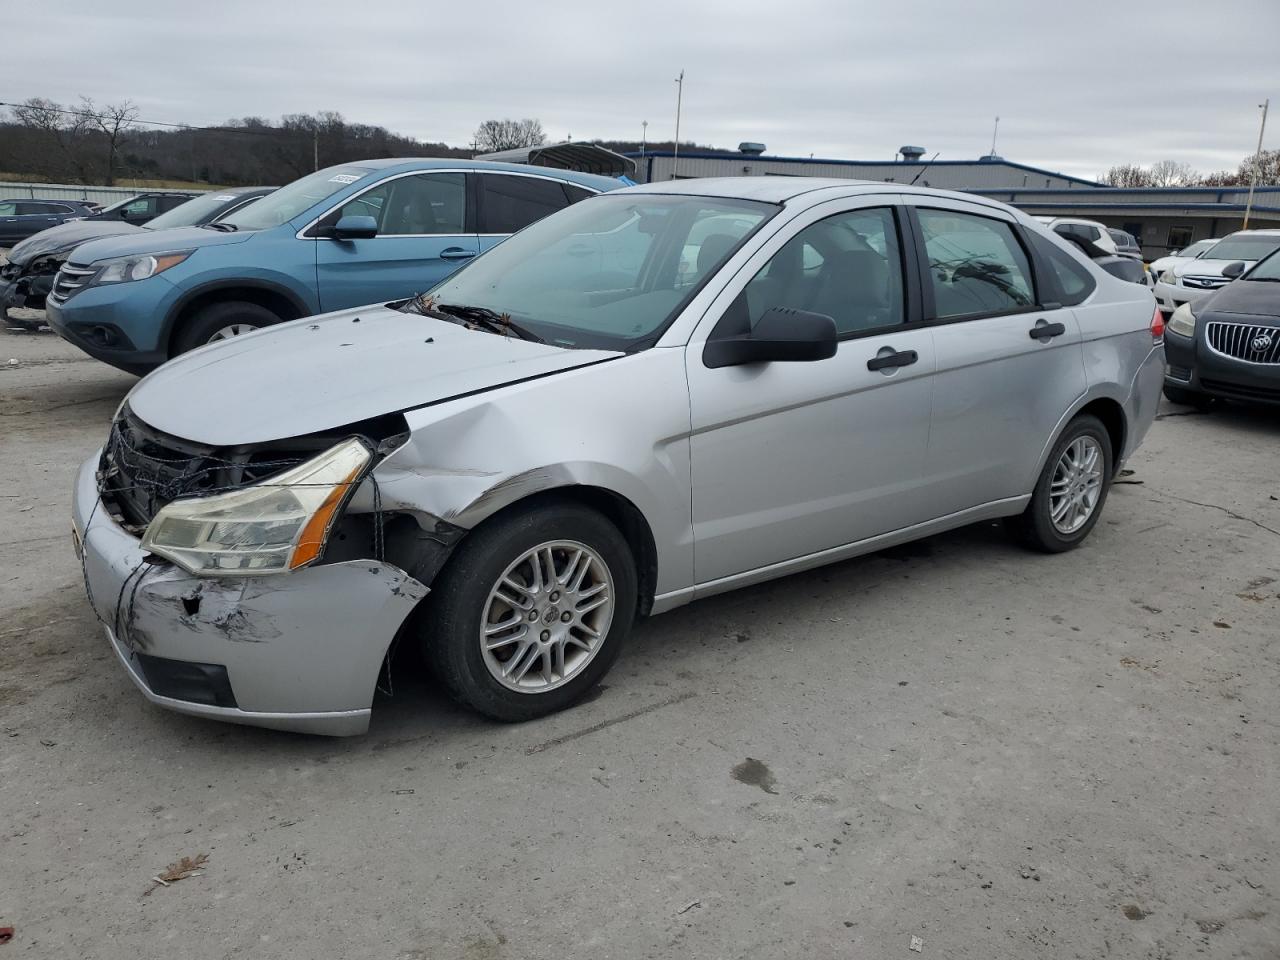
(184, 868)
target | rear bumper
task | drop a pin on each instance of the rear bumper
(299, 651)
(1193, 366)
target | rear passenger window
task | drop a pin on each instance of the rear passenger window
(1075, 283)
(976, 264)
(508, 204)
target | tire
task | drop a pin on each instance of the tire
(461, 602)
(205, 325)
(1035, 527)
(1189, 398)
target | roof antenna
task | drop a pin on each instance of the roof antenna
(922, 170)
(994, 131)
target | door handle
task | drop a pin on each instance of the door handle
(456, 253)
(901, 358)
(1045, 331)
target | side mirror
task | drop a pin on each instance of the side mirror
(355, 228)
(782, 334)
(1233, 269)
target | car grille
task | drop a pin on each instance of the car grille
(68, 281)
(1243, 341)
(142, 470)
(1205, 283)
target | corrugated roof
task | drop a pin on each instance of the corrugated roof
(586, 157)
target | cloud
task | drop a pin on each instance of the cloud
(1078, 86)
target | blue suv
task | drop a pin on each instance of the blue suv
(358, 233)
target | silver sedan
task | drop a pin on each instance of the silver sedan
(650, 397)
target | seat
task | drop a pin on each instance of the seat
(853, 288)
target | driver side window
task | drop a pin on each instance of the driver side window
(848, 267)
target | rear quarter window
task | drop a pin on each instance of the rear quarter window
(1073, 279)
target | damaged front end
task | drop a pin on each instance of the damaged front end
(25, 286)
(264, 618)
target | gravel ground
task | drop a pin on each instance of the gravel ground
(1002, 754)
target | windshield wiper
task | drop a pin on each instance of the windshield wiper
(488, 319)
(220, 225)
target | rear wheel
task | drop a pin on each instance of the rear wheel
(221, 321)
(532, 610)
(1072, 488)
(1190, 398)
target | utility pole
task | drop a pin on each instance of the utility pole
(315, 148)
(1257, 163)
(675, 158)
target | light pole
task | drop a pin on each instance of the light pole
(675, 157)
(1257, 163)
(644, 137)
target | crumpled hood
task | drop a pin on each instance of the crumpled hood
(323, 372)
(65, 237)
(1248, 297)
(155, 241)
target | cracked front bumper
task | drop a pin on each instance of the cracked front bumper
(299, 651)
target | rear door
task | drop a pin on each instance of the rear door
(9, 221)
(424, 234)
(507, 202)
(1009, 360)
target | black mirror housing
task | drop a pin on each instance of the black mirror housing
(355, 228)
(782, 335)
(1234, 269)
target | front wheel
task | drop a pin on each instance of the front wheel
(1186, 397)
(221, 321)
(532, 611)
(1072, 488)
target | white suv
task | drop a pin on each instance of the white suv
(1091, 230)
(1193, 280)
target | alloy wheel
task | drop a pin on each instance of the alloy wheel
(1076, 485)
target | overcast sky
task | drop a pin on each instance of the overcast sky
(1078, 85)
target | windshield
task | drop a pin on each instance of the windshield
(195, 211)
(294, 198)
(610, 272)
(1268, 269)
(1243, 248)
(118, 204)
(1198, 248)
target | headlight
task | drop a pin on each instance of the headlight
(1183, 321)
(1168, 277)
(123, 269)
(274, 526)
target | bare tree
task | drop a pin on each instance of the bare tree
(113, 122)
(494, 135)
(1128, 175)
(59, 135)
(1268, 167)
(1171, 173)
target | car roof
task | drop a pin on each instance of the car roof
(400, 164)
(1252, 233)
(782, 190)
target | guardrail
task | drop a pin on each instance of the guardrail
(10, 190)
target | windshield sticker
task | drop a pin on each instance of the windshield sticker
(225, 197)
(344, 178)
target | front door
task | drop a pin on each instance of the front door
(789, 459)
(1009, 361)
(423, 236)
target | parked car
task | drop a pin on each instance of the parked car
(27, 278)
(1196, 280)
(1227, 346)
(572, 432)
(352, 234)
(1185, 255)
(1126, 243)
(1091, 230)
(143, 207)
(20, 219)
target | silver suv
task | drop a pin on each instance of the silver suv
(650, 397)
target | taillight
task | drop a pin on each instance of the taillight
(1157, 325)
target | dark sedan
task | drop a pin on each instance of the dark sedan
(1228, 346)
(28, 276)
(20, 219)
